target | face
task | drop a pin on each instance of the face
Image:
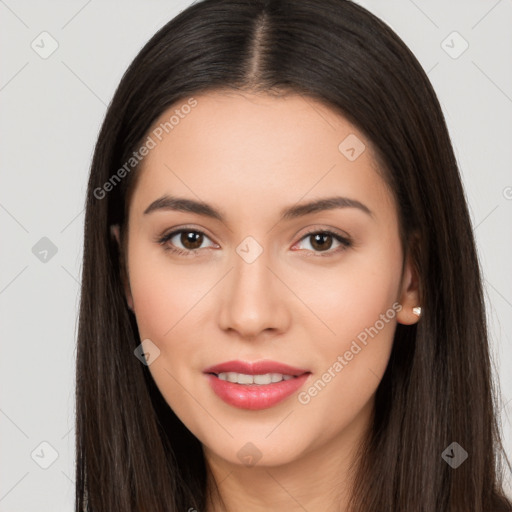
(244, 271)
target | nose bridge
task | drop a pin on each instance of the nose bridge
(252, 300)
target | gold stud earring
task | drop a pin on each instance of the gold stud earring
(417, 310)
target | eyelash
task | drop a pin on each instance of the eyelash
(344, 241)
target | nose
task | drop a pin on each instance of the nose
(254, 302)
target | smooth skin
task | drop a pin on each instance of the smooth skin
(302, 301)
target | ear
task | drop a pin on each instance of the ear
(115, 232)
(409, 295)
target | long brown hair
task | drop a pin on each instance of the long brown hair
(132, 452)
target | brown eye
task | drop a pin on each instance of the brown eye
(321, 241)
(185, 242)
(191, 239)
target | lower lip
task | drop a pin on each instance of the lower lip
(255, 397)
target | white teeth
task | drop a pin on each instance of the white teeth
(263, 379)
(242, 378)
(245, 379)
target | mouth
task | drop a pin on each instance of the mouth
(255, 386)
(259, 380)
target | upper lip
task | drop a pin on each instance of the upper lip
(255, 368)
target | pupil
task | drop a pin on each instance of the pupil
(321, 245)
(192, 238)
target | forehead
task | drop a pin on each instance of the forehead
(256, 149)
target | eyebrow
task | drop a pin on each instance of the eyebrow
(167, 202)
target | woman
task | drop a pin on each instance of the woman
(281, 301)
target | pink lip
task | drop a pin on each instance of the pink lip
(257, 368)
(255, 396)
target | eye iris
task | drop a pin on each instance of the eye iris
(191, 237)
(319, 241)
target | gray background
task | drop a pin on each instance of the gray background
(51, 110)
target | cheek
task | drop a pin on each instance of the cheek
(155, 303)
(167, 299)
(359, 304)
(351, 295)
(163, 293)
